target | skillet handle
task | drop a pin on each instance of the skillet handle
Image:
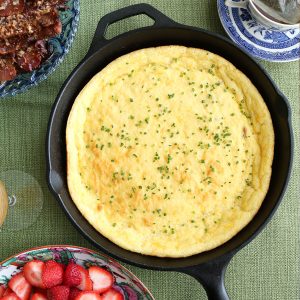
(211, 276)
(99, 40)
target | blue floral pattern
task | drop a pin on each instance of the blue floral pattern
(260, 41)
(59, 47)
(245, 15)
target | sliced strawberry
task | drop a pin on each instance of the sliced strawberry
(33, 272)
(20, 286)
(10, 296)
(112, 294)
(39, 291)
(86, 283)
(74, 292)
(102, 279)
(52, 274)
(38, 296)
(8, 291)
(59, 292)
(72, 276)
(63, 266)
(88, 295)
(2, 289)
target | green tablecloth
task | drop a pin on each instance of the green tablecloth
(266, 269)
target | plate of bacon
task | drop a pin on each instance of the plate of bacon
(35, 36)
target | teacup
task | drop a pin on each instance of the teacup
(261, 17)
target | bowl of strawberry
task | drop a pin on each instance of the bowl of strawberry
(67, 273)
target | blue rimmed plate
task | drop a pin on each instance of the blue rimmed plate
(59, 47)
(258, 40)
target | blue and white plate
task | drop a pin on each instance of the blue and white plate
(59, 47)
(258, 40)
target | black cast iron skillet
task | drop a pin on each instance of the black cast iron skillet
(208, 267)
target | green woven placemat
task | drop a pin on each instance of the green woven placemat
(267, 269)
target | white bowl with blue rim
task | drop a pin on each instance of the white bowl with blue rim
(261, 40)
(59, 46)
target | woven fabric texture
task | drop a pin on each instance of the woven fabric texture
(266, 269)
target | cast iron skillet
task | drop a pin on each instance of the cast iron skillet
(208, 267)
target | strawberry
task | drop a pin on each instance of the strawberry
(7, 291)
(102, 279)
(86, 283)
(39, 291)
(38, 296)
(74, 292)
(88, 295)
(33, 272)
(11, 296)
(63, 266)
(59, 292)
(72, 276)
(112, 295)
(52, 274)
(2, 289)
(20, 286)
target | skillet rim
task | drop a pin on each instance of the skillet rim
(155, 266)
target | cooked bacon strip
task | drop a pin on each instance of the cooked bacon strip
(11, 45)
(45, 3)
(48, 18)
(7, 69)
(29, 60)
(27, 23)
(11, 7)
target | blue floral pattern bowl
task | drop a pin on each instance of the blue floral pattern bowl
(59, 47)
(126, 283)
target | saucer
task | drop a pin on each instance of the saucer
(259, 40)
